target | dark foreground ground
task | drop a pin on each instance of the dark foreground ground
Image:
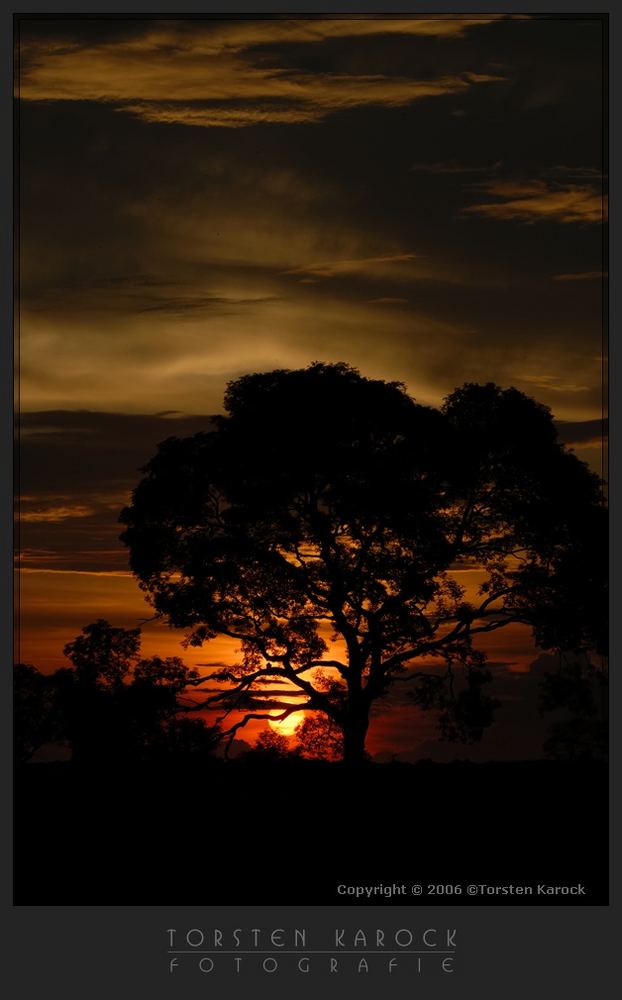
(293, 832)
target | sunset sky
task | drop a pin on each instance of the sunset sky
(421, 198)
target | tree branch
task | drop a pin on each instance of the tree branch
(230, 733)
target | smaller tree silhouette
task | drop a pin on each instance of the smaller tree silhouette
(151, 703)
(271, 745)
(464, 708)
(95, 711)
(578, 692)
(34, 717)
(184, 738)
(117, 706)
(103, 655)
(320, 738)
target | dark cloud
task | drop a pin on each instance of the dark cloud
(77, 469)
(63, 451)
(583, 431)
(452, 167)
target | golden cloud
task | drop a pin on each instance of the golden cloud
(553, 383)
(223, 117)
(536, 201)
(246, 34)
(388, 300)
(78, 572)
(55, 514)
(364, 266)
(159, 77)
(581, 276)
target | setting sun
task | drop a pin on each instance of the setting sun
(288, 726)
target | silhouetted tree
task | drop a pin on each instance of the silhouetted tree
(91, 695)
(271, 746)
(114, 707)
(34, 718)
(464, 708)
(319, 736)
(103, 655)
(183, 737)
(576, 691)
(327, 503)
(150, 704)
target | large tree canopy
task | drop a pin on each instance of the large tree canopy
(326, 505)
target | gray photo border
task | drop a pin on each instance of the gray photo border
(101, 952)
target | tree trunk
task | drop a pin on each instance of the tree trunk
(354, 732)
